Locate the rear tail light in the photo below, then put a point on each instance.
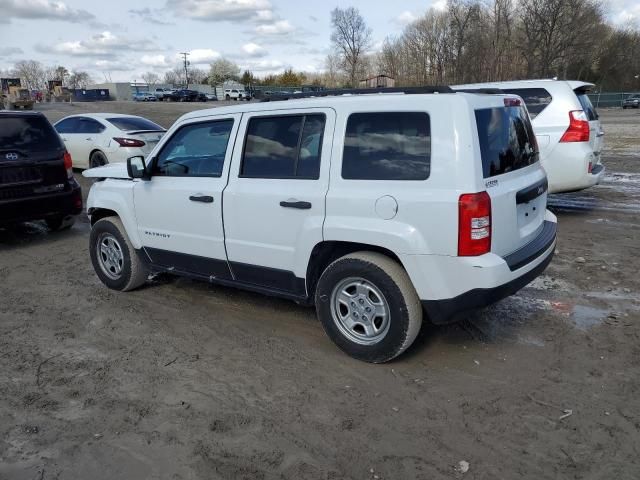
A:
(474, 224)
(129, 142)
(578, 130)
(68, 164)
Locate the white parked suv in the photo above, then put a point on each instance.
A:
(378, 209)
(567, 128)
(236, 94)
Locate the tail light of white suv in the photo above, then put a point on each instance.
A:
(474, 224)
(578, 130)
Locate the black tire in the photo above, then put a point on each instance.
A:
(133, 272)
(227, 98)
(390, 278)
(58, 223)
(98, 159)
(624, 107)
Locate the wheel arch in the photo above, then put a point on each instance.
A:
(94, 150)
(326, 252)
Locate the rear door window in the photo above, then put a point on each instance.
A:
(387, 146)
(30, 133)
(536, 99)
(587, 106)
(88, 125)
(288, 146)
(507, 141)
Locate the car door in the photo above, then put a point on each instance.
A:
(80, 138)
(179, 210)
(274, 204)
(68, 129)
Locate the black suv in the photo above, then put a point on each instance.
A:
(183, 96)
(36, 179)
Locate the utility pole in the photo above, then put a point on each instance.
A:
(186, 71)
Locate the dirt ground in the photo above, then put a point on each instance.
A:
(183, 380)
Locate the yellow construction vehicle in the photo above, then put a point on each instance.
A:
(14, 96)
(58, 93)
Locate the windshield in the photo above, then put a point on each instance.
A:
(28, 133)
(507, 141)
(134, 123)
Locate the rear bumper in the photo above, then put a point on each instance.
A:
(450, 287)
(66, 203)
(567, 167)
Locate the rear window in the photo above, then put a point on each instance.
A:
(387, 146)
(587, 106)
(507, 141)
(133, 123)
(536, 99)
(29, 133)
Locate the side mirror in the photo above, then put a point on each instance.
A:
(136, 167)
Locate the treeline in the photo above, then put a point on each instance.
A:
(475, 41)
(34, 75)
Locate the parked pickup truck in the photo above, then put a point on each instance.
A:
(379, 209)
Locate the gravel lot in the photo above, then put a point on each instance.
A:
(182, 380)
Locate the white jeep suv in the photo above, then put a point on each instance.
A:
(379, 209)
(567, 128)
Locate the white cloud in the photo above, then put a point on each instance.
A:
(279, 27)
(150, 16)
(440, 5)
(156, 61)
(264, 66)
(626, 12)
(254, 50)
(104, 44)
(201, 56)
(109, 66)
(220, 10)
(43, 9)
(406, 17)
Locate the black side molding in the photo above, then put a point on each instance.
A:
(534, 248)
(534, 191)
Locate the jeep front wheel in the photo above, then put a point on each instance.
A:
(368, 306)
(114, 259)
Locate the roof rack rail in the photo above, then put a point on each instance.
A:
(488, 91)
(275, 97)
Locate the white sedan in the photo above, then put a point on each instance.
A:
(100, 138)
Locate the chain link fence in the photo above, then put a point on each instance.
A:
(609, 99)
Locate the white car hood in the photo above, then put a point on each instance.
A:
(112, 170)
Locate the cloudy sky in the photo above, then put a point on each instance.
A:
(121, 39)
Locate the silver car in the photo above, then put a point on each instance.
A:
(631, 102)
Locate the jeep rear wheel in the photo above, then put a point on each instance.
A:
(368, 306)
(114, 259)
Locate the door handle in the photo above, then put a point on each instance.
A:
(201, 198)
(296, 204)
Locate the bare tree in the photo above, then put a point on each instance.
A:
(79, 79)
(351, 39)
(198, 76)
(174, 76)
(32, 74)
(151, 79)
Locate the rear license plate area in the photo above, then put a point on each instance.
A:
(19, 176)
